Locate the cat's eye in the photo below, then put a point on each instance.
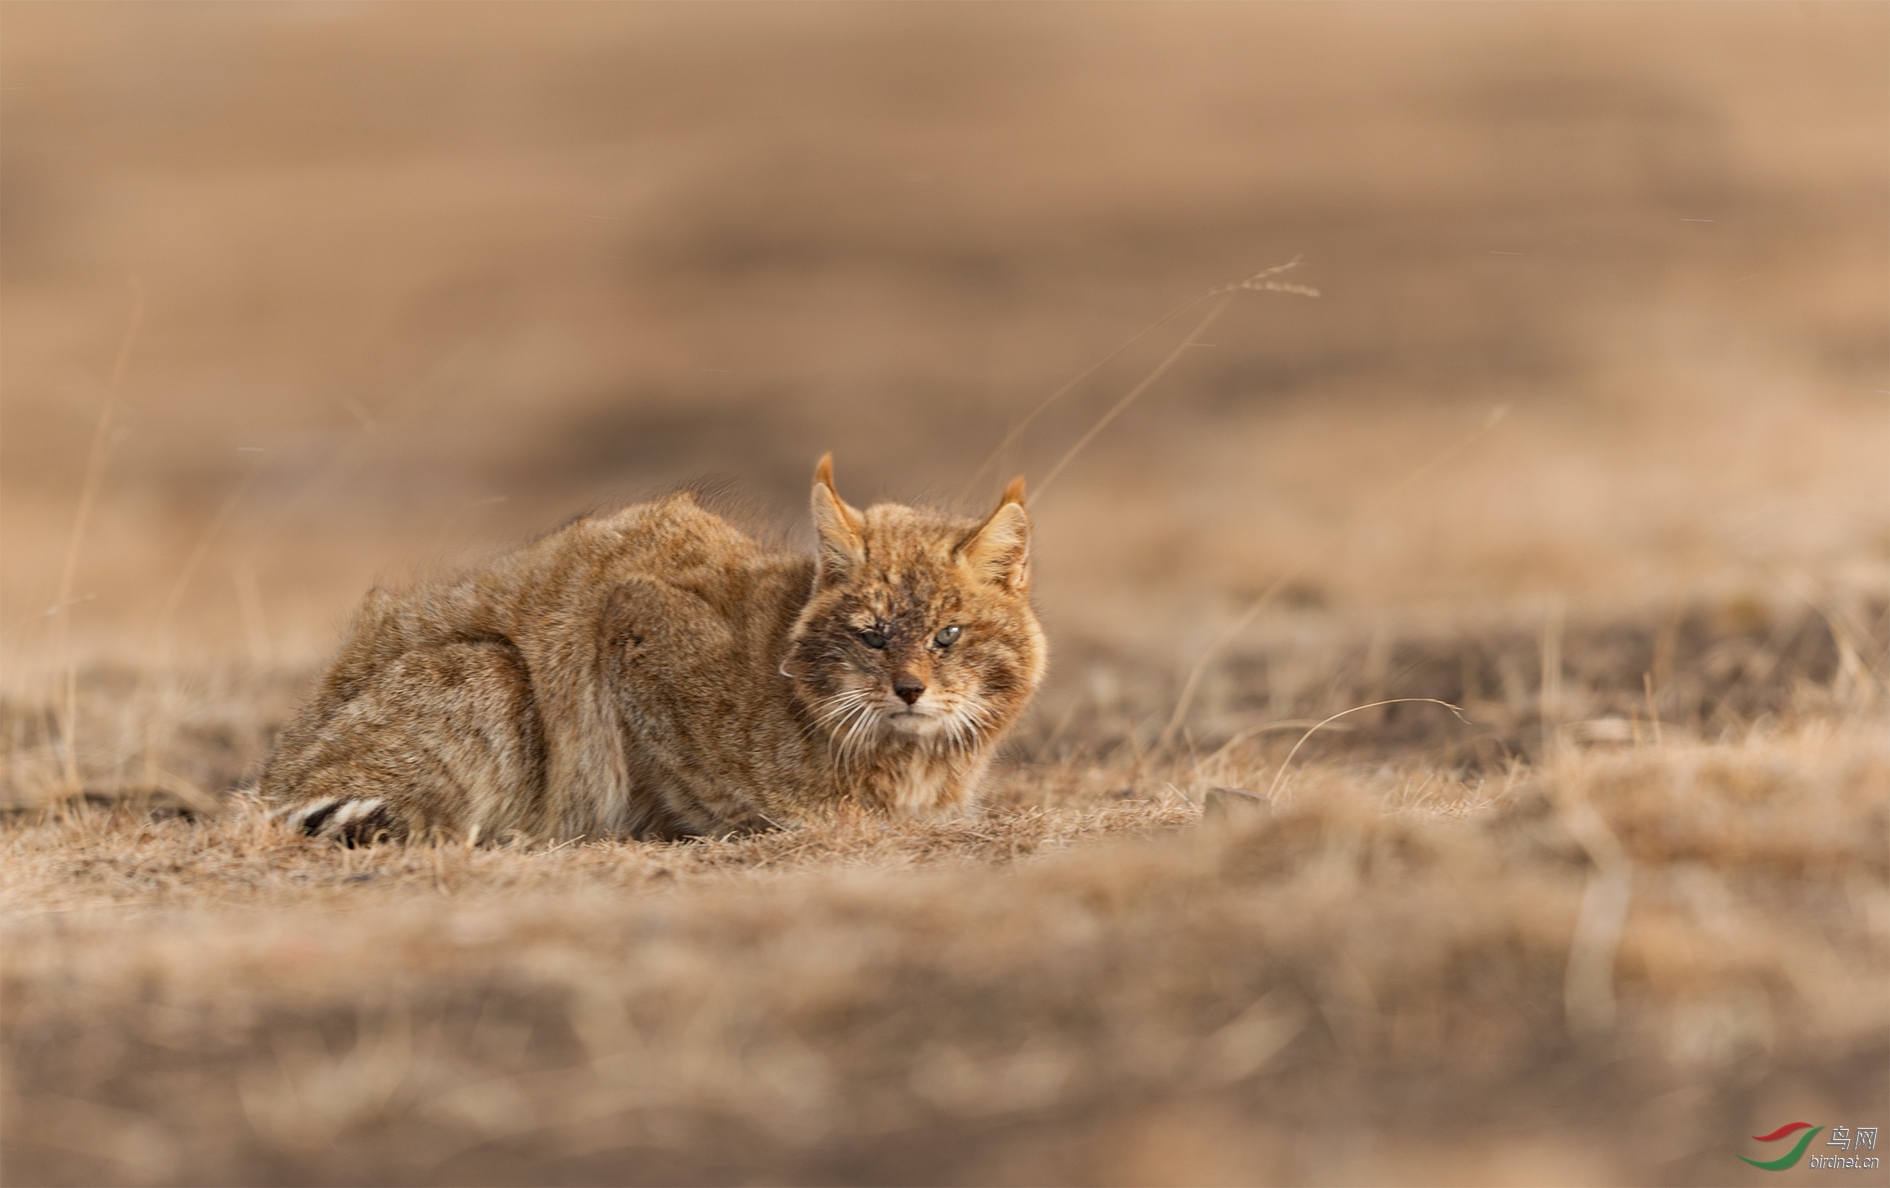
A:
(872, 639)
(947, 637)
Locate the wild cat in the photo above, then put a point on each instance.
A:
(657, 673)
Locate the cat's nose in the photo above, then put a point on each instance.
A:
(908, 687)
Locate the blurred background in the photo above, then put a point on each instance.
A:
(324, 294)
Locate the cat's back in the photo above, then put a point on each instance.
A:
(662, 537)
(556, 576)
(551, 592)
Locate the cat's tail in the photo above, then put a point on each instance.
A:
(350, 820)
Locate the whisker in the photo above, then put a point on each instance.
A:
(856, 734)
(849, 731)
(838, 706)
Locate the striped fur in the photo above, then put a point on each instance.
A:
(656, 673)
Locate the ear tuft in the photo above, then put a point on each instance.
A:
(999, 551)
(841, 528)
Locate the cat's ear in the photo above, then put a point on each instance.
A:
(999, 551)
(841, 528)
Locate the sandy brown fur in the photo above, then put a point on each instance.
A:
(655, 672)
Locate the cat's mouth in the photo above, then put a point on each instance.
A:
(913, 720)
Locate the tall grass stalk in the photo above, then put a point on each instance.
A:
(1260, 281)
(1280, 775)
(102, 441)
(1188, 688)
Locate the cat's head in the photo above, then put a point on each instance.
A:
(919, 630)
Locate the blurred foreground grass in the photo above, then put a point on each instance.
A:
(1607, 967)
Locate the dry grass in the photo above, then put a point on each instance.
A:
(413, 289)
(1371, 981)
(1533, 949)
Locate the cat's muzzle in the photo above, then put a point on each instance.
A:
(913, 719)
